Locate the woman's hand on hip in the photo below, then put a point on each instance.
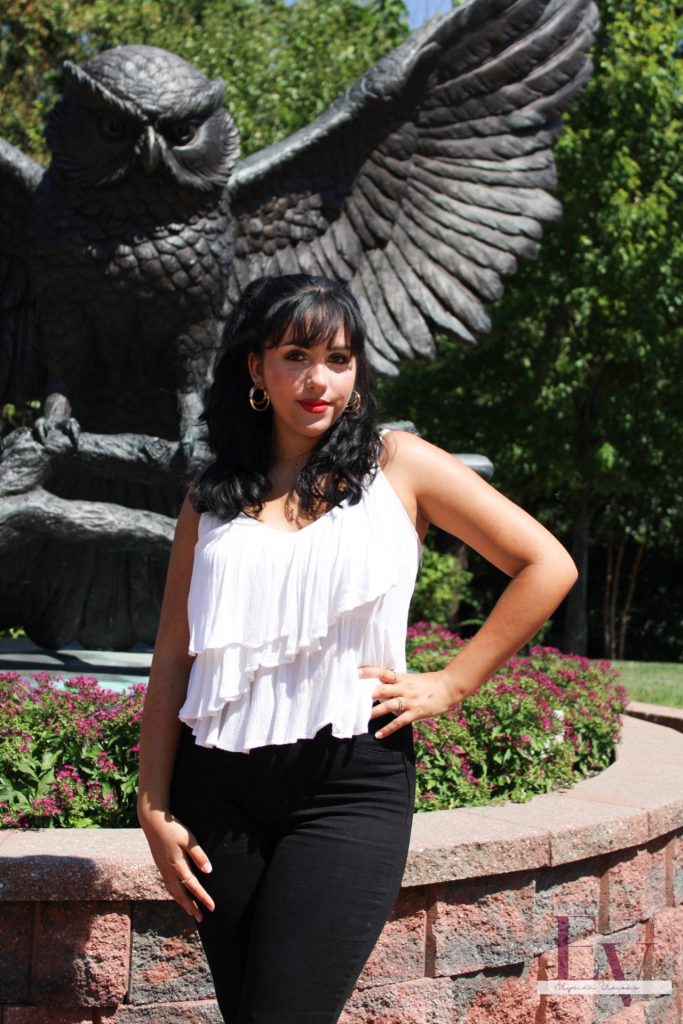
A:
(409, 696)
(174, 850)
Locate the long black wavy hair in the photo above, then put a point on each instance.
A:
(346, 456)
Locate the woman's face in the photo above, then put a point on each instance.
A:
(309, 388)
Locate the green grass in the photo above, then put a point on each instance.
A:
(653, 682)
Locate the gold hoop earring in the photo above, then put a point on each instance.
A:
(259, 404)
(354, 403)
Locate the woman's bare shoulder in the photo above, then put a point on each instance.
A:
(405, 452)
(399, 443)
(402, 453)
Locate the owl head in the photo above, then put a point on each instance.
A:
(139, 106)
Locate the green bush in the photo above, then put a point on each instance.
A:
(540, 722)
(68, 754)
(442, 583)
(68, 757)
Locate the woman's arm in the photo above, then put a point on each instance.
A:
(170, 842)
(437, 488)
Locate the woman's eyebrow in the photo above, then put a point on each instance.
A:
(311, 343)
(297, 343)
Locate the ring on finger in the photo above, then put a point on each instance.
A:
(401, 706)
(184, 881)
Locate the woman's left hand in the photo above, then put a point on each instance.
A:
(410, 696)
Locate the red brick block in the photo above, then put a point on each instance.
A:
(500, 997)
(635, 887)
(197, 1012)
(81, 954)
(16, 928)
(575, 961)
(663, 1010)
(567, 901)
(45, 1015)
(665, 962)
(634, 1014)
(400, 951)
(621, 955)
(588, 957)
(567, 1009)
(624, 954)
(487, 923)
(428, 1001)
(677, 881)
(167, 959)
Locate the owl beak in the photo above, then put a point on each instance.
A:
(150, 151)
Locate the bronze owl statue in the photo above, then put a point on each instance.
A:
(419, 188)
(127, 244)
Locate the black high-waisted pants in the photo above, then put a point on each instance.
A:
(308, 842)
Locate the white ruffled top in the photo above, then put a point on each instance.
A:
(281, 622)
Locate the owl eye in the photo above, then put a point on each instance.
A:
(112, 127)
(182, 132)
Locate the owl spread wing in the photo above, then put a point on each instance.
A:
(20, 369)
(426, 180)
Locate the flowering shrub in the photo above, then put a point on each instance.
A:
(442, 583)
(68, 757)
(540, 722)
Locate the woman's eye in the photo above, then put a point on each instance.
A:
(340, 359)
(295, 356)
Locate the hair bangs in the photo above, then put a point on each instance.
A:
(315, 318)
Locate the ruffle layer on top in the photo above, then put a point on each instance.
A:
(282, 705)
(262, 599)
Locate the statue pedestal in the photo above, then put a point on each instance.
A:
(113, 669)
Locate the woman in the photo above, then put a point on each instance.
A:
(276, 767)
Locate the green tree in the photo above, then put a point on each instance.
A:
(282, 63)
(576, 394)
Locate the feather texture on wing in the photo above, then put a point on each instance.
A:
(429, 178)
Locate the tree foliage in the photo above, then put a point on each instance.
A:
(282, 63)
(576, 394)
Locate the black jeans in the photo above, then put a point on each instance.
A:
(308, 842)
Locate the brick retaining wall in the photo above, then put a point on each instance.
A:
(88, 936)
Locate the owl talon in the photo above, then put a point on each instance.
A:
(182, 457)
(72, 429)
(40, 429)
(46, 425)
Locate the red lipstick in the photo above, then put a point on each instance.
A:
(314, 405)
